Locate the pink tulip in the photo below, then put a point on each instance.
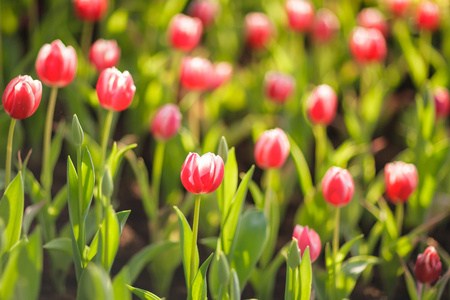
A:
(196, 73)
(257, 30)
(428, 16)
(205, 10)
(373, 18)
(322, 105)
(368, 45)
(428, 266)
(271, 149)
(104, 54)
(167, 122)
(326, 26)
(307, 237)
(278, 87)
(185, 32)
(202, 174)
(300, 14)
(90, 10)
(115, 90)
(337, 186)
(221, 73)
(442, 103)
(22, 96)
(400, 180)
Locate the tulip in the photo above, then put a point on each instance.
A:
(257, 30)
(442, 103)
(22, 96)
(321, 105)
(307, 237)
(428, 266)
(115, 90)
(400, 180)
(428, 16)
(196, 73)
(326, 25)
(104, 54)
(398, 7)
(278, 86)
(221, 73)
(337, 186)
(271, 149)
(300, 14)
(90, 10)
(205, 10)
(56, 64)
(202, 174)
(167, 122)
(184, 32)
(367, 45)
(372, 18)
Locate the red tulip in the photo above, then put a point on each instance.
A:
(322, 105)
(278, 86)
(90, 10)
(115, 90)
(300, 14)
(56, 64)
(428, 16)
(221, 73)
(167, 122)
(398, 7)
(184, 32)
(202, 174)
(368, 45)
(271, 149)
(373, 18)
(22, 96)
(338, 186)
(442, 103)
(205, 10)
(428, 266)
(307, 237)
(196, 73)
(104, 54)
(326, 25)
(400, 180)
(257, 30)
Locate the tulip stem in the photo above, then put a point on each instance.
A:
(86, 37)
(320, 134)
(81, 234)
(8, 152)
(194, 239)
(105, 136)
(399, 213)
(336, 233)
(157, 169)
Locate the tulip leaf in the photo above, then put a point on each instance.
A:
(227, 189)
(109, 237)
(143, 294)
(345, 249)
(30, 214)
(351, 270)
(55, 151)
(60, 244)
(95, 284)
(87, 182)
(410, 283)
(116, 157)
(305, 276)
(301, 164)
(235, 290)
(120, 285)
(122, 217)
(198, 290)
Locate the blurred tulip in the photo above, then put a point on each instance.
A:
(115, 90)
(400, 180)
(56, 64)
(104, 54)
(22, 96)
(300, 14)
(257, 30)
(442, 103)
(278, 87)
(205, 10)
(428, 266)
(221, 73)
(90, 10)
(308, 237)
(367, 45)
(398, 7)
(338, 186)
(167, 122)
(196, 73)
(428, 16)
(202, 174)
(185, 32)
(373, 18)
(326, 25)
(271, 149)
(322, 105)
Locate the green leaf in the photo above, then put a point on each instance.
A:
(352, 269)
(371, 105)
(95, 284)
(170, 8)
(305, 276)
(88, 182)
(109, 236)
(257, 195)
(304, 174)
(30, 214)
(116, 156)
(345, 249)
(120, 286)
(198, 290)
(60, 244)
(235, 290)
(143, 294)
(228, 187)
(55, 151)
(122, 217)
(410, 283)
(11, 211)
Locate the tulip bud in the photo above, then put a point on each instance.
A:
(367, 45)
(184, 32)
(278, 87)
(337, 186)
(107, 183)
(77, 132)
(428, 16)
(104, 54)
(321, 105)
(398, 7)
(115, 90)
(202, 174)
(293, 254)
(400, 180)
(167, 122)
(195, 73)
(428, 266)
(56, 64)
(21, 97)
(221, 73)
(442, 103)
(300, 14)
(372, 18)
(90, 10)
(257, 30)
(326, 25)
(205, 10)
(307, 237)
(271, 149)
(223, 149)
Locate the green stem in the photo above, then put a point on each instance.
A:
(86, 37)
(425, 39)
(194, 238)
(105, 262)
(321, 150)
(287, 289)
(399, 214)
(105, 137)
(336, 232)
(8, 152)
(81, 233)
(157, 169)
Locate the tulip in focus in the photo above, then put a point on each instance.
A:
(400, 180)
(167, 122)
(442, 103)
(202, 174)
(321, 105)
(373, 18)
(22, 96)
(257, 30)
(196, 73)
(338, 186)
(56, 64)
(184, 32)
(398, 7)
(104, 54)
(368, 45)
(428, 16)
(428, 266)
(271, 149)
(115, 90)
(90, 10)
(300, 14)
(308, 237)
(221, 73)
(205, 10)
(326, 25)
(278, 87)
